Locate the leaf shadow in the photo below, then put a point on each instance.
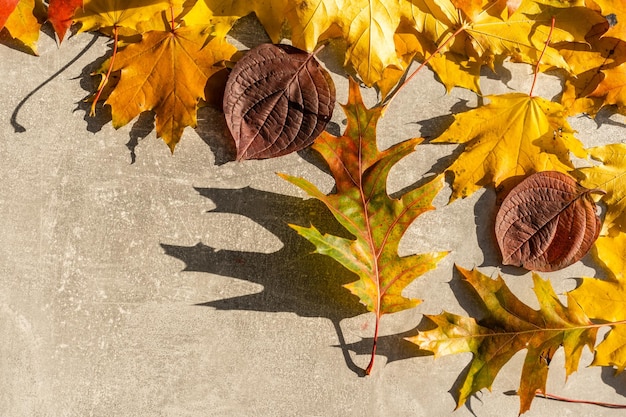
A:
(485, 211)
(466, 296)
(89, 83)
(293, 278)
(7, 40)
(432, 128)
(212, 129)
(473, 305)
(499, 73)
(615, 380)
(603, 117)
(17, 127)
(249, 31)
(394, 347)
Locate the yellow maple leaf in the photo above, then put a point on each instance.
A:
(455, 70)
(588, 61)
(617, 9)
(124, 14)
(485, 31)
(612, 88)
(514, 134)
(611, 252)
(408, 47)
(368, 27)
(222, 14)
(610, 177)
(606, 300)
(166, 72)
(22, 24)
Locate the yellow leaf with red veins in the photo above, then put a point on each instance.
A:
(166, 72)
(489, 33)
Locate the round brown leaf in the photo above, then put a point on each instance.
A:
(547, 222)
(278, 99)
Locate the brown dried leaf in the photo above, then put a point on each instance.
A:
(278, 99)
(547, 222)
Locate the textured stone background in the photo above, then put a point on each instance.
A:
(99, 317)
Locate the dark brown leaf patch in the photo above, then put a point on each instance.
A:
(278, 99)
(547, 222)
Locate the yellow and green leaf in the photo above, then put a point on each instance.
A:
(509, 327)
(376, 220)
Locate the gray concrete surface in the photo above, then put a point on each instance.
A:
(172, 286)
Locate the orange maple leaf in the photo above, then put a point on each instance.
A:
(60, 15)
(6, 8)
(166, 72)
(20, 20)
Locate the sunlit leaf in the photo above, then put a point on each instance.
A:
(606, 300)
(278, 99)
(509, 327)
(513, 135)
(547, 222)
(376, 220)
(166, 72)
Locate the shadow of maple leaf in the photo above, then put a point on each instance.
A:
(293, 278)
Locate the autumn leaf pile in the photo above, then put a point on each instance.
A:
(163, 54)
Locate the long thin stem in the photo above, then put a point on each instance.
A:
(368, 370)
(365, 203)
(570, 400)
(422, 65)
(532, 87)
(105, 80)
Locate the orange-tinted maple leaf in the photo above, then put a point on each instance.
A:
(166, 72)
(61, 14)
(21, 21)
(509, 327)
(376, 220)
(618, 10)
(588, 62)
(124, 14)
(612, 89)
(6, 8)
